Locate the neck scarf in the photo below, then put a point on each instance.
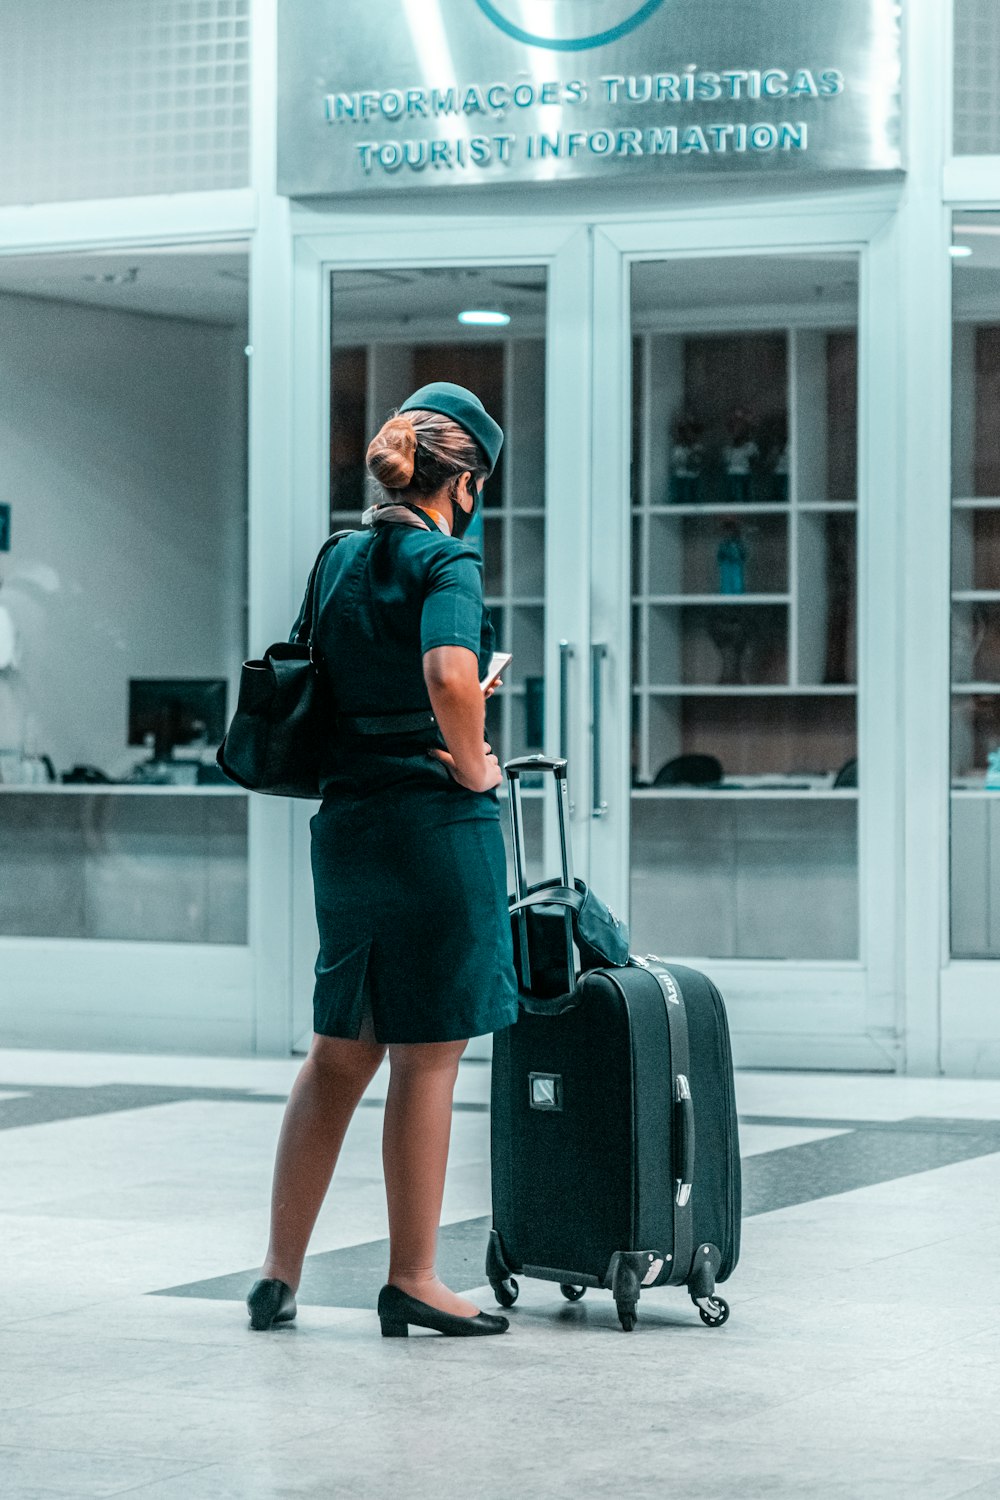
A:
(403, 514)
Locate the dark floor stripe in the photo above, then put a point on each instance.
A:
(792, 1175)
(935, 1124)
(856, 1159)
(42, 1104)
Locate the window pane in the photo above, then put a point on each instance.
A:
(975, 585)
(123, 401)
(395, 329)
(744, 803)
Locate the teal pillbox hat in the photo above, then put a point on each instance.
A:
(466, 409)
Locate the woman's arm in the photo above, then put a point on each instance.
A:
(452, 677)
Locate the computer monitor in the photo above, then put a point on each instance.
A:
(176, 711)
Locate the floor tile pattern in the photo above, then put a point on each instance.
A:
(861, 1362)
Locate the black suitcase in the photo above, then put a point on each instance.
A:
(614, 1143)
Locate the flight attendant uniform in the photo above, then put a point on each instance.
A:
(408, 866)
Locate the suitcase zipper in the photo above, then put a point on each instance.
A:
(727, 1264)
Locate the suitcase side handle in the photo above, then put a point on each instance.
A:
(684, 1139)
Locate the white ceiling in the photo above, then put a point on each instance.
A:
(207, 284)
(393, 300)
(426, 301)
(735, 282)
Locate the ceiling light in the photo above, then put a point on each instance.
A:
(959, 251)
(484, 317)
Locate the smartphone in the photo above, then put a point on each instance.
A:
(499, 662)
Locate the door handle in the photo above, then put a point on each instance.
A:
(565, 657)
(566, 654)
(598, 653)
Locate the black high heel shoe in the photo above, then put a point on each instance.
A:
(397, 1309)
(270, 1301)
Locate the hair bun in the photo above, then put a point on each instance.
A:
(392, 453)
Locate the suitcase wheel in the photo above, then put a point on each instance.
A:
(571, 1293)
(626, 1315)
(713, 1310)
(506, 1291)
(625, 1285)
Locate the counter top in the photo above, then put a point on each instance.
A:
(122, 788)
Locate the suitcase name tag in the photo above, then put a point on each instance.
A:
(545, 1090)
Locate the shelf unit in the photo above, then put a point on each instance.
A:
(783, 634)
(368, 381)
(975, 639)
(766, 865)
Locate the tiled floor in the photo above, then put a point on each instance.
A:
(861, 1361)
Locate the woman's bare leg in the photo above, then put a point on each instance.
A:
(415, 1139)
(320, 1106)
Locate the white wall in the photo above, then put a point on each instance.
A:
(123, 457)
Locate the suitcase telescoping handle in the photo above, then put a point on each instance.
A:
(514, 770)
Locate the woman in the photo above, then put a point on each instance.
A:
(407, 857)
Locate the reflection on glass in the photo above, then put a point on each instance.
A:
(975, 588)
(744, 495)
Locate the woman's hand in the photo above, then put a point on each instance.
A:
(457, 701)
(491, 777)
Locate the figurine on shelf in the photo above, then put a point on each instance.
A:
(686, 459)
(729, 634)
(739, 454)
(993, 770)
(731, 557)
(968, 632)
(779, 463)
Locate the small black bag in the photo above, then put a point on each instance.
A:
(555, 917)
(284, 713)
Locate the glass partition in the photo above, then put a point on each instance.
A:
(123, 593)
(975, 584)
(744, 518)
(117, 98)
(483, 327)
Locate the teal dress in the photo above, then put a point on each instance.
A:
(408, 867)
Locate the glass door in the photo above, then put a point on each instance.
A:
(507, 320)
(743, 797)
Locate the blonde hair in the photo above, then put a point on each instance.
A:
(415, 452)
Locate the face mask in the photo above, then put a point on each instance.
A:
(462, 518)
